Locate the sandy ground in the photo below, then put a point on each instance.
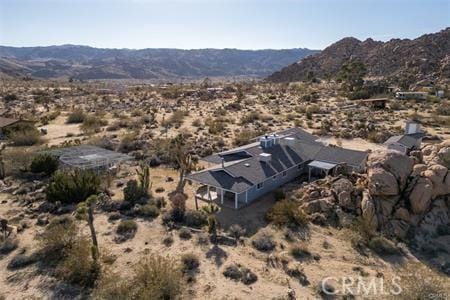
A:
(338, 258)
(58, 130)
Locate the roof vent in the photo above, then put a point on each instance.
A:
(247, 165)
(266, 157)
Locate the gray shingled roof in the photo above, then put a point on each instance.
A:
(247, 172)
(408, 141)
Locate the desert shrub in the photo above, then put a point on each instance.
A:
(359, 94)
(92, 124)
(155, 277)
(59, 235)
(73, 186)
(383, 246)
(300, 251)
(78, 266)
(26, 138)
(184, 233)
(250, 117)
(189, 262)
(202, 238)
(420, 282)
(126, 227)
(195, 218)
(240, 273)
(168, 240)
(364, 230)
(279, 195)
(287, 213)
(132, 192)
(8, 245)
(176, 119)
(264, 242)
(236, 231)
(244, 136)
(149, 210)
(44, 163)
(77, 116)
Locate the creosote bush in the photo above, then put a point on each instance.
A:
(44, 163)
(287, 213)
(73, 186)
(238, 272)
(155, 277)
(190, 262)
(264, 242)
(77, 116)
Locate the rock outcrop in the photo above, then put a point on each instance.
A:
(399, 194)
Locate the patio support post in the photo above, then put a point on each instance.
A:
(221, 196)
(246, 196)
(309, 173)
(236, 200)
(207, 192)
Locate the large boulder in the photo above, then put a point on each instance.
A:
(399, 165)
(368, 209)
(444, 156)
(319, 205)
(420, 196)
(437, 175)
(382, 182)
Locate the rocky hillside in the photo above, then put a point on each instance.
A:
(405, 197)
(81, 62)
(427, 57)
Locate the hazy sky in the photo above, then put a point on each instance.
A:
(247, 24)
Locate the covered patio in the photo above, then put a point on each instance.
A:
(220, 196)
(319, 169)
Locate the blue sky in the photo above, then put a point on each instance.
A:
(245, 24)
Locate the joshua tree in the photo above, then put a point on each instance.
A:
(86, 210)
(184, 158)
(211, 210)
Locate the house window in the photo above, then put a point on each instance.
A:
(274, 177)
(284, 174)
(259, 186)
(299, 166)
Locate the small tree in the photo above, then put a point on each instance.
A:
(85, 210)
(211, 210)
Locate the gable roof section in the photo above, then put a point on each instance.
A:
(408, 141)
(7, 121)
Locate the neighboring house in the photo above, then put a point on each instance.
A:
(411, 95)
(9, 123)
(241, 175)
(407, 142)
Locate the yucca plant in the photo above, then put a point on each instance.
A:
(211, 210)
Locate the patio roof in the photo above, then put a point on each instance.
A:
(321, 165)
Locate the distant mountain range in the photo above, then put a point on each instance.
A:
(423, 58)
(82, 62)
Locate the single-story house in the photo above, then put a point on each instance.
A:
(411, 140)
(9, 123)
(240, 175)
